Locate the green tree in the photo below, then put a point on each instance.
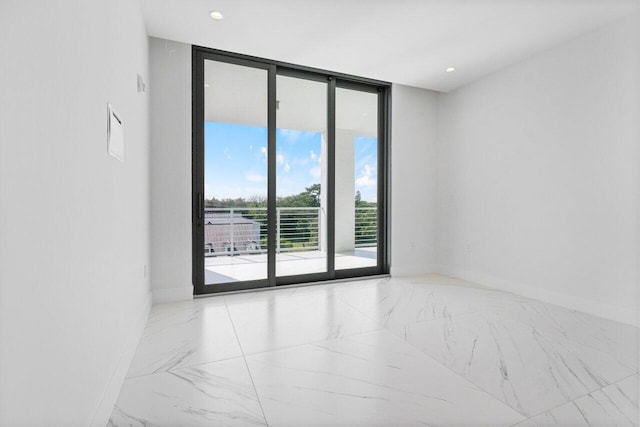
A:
(309, 198)
(366, 228)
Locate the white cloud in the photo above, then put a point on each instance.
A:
(253, 177)
(263, 150)
(365, 181)
(315, 172)
(287, 167)
(368, 177)
(368, 170)
(370, 159)
(280, 159)
(313, 155)
(299, 161)
(224, 191)
(288, 185)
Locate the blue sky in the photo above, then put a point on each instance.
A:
(236, 161)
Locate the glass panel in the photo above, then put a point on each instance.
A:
(356, 179)
(301, 176)
(235, 173)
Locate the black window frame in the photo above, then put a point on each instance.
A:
(335, 80)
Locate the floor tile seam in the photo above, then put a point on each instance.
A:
(311, 303)
(355, 308)
(297, 258)
(478, 387)
(240, 258)
(576, 341)
(466, 313)
(465, 380)
(188, 366)
(527, 417)
(579, 397)
(253, 384)
(421, 321)
(292, 295)
(289, 347)
(378, 322)
(249, 301)
(546, 331)
(197, 365)
(562, 307)
(495, 397)
(197, 307)
(368, 316)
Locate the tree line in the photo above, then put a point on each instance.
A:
(306, 234)
(309, 198)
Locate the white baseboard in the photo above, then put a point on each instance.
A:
(183, 293)
(127, 351)
(412, 270)
(596, 308)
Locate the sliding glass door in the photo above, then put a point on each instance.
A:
(301, 185)
(289, 174)
(235, 173)
(356, 171)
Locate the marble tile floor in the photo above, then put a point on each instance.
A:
(428, 350)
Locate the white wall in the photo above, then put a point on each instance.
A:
(170, 127)
(538, 175)
(413, 180)
(74, 228)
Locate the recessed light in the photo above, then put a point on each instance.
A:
(216, 15)
(450, 69)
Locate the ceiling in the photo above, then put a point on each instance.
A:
(409, 42)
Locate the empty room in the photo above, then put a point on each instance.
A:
(319, 213)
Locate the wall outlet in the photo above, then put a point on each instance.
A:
(467, 249)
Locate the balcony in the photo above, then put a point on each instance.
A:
(236, 242)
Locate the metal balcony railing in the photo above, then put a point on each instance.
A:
(366, 228)
(231, 231)
(297, 229)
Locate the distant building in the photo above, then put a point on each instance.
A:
(224, 233)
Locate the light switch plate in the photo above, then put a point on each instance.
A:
(115, 134)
